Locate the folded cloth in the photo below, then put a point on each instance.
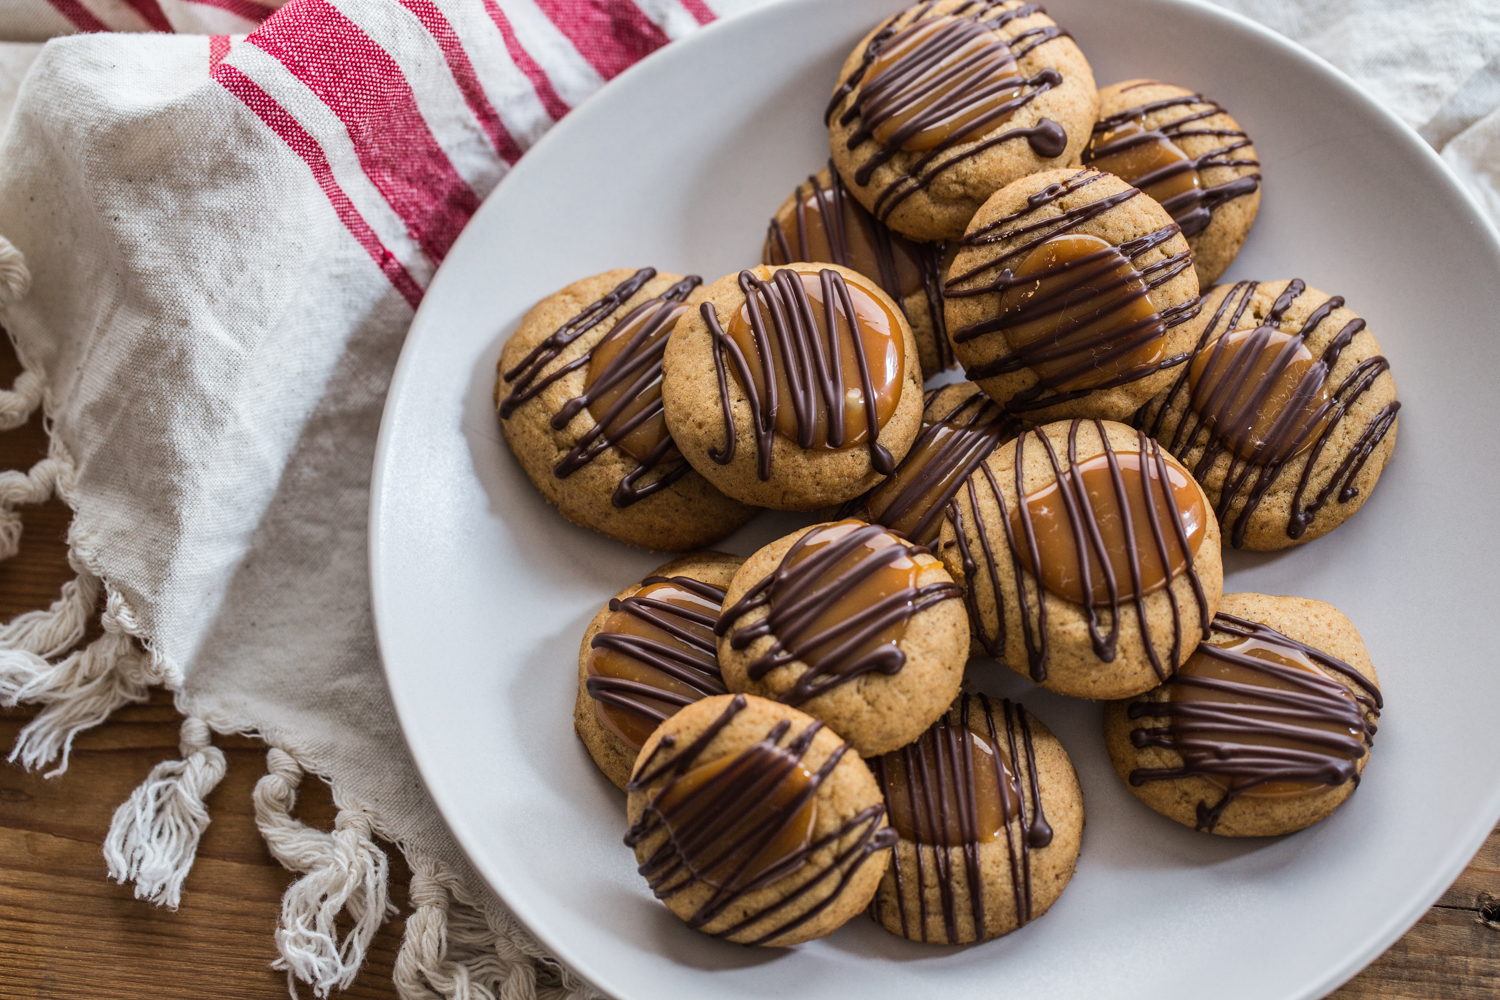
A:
(225, 238)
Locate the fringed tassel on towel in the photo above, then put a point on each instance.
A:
(153, 837)
(15, 279)
(455, 950)
(345, 871)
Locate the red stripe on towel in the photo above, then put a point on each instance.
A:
(612, 35)
(245, 9)
(78, 15)
(363, 86)
(304, 145)
(554, 105)
(463, 74)
(218, 48)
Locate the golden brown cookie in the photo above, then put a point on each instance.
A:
(852, 624)
(1187, 153)
(772, 406)
(961, 426)
(1116, 620)
(755, 823)
(579, 395)
(946, 102)
(647, 653)
(1286, 414)
(1070, 297)
(821, 222)
(1264, 730)
(990, 817)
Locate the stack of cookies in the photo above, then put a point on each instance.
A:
(792, 730)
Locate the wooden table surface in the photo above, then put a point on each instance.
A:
(66, 931)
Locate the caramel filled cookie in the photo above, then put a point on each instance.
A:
(961, 427)
(1088, 556)
(948, 101)
(1264, 730)
(1070, 297)
(852, 624)
(793, 387)
(1187, 153)
(579, 395)
(820, 222)
(755, 823)
(1286, 414)
(647, 653)
(990, 816)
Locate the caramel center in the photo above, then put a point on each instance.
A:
(826, 225)
(741, 818)
(951, 787)
(629, 360)
(653, 655)
(943, 78)
(799, 341)
(1079, 314)
(1065, 519)
(1261, 392)
(1146, 159)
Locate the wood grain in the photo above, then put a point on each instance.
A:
(68, 933)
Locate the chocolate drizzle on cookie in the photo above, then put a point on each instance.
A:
(1074, 309)
(742, 824)
(947, 451)
(1121, 510)
(839, 603)
(655, 654)
(952, 791)
(929, 81)
(1262, 715)
(789, 347)
(629, 383)
(1152, 160)
(828, 226)
(1256, 393)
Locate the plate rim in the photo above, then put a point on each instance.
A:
(1462, 846)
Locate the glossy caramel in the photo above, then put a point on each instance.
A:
(942, 78)
(686, 642)
(1261, 392)
(1144, 159)
(739, 817)
(639, 334)
(867, 590)
(1057, 536)
(1206, 666)
(879, 331)
(810, 228)
(1075, 309)
(965, 792)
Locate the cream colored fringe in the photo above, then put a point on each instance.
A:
(452, 947)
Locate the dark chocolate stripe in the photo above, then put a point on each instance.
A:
(638, 364)
(934, 800)
(1193, 210)
(1244, 478)
(1341, 696)
(752, 779)
(798, 591)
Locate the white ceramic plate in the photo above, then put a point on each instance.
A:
(482, 591)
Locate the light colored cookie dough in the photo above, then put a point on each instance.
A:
(792, 630)
(964, 801)
(1215, 765)
(652, 499)
(664, 639)
(1071, 297)
(926, 180)
(758, 455)
(734, 789)
(1029, 610)
(1279, 472)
